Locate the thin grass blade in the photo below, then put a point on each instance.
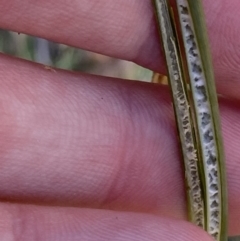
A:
(204, 96)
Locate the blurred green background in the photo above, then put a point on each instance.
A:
(65, 57)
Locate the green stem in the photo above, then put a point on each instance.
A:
(206, 183)
(182, 112)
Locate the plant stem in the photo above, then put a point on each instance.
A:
(182, 113)
(199, 126)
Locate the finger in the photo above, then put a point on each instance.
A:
(79, 140)
(21, 222)
(126, 30)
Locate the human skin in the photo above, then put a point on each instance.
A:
(92, 158)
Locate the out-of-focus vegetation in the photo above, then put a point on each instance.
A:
(65, 57)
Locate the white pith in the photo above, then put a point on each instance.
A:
(204, 119)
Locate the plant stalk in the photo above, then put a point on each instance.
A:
(199, 125)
